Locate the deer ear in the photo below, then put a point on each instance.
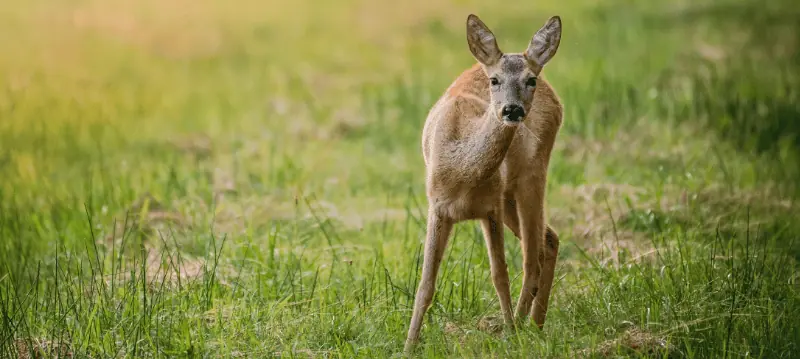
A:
(544, 43)
(482, 42)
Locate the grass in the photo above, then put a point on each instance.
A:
(188, 179)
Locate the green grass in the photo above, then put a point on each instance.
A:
(205, 179)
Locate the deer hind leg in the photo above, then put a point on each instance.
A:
(549, 257)
(435, 242)
(493, 234)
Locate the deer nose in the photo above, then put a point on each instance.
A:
(513, 113)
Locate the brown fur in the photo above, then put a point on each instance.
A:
(495, 171)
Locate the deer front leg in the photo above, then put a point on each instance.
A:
(531, 218)
(546, 278)
(493, 234)
(435, 242)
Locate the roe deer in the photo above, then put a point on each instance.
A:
(486, 145)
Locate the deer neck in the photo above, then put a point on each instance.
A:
(495, 134)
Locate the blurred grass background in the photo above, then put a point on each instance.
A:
(244, 179)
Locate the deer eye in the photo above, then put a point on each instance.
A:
(494, 81)
(531, 82)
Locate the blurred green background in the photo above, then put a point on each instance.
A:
(244, 179)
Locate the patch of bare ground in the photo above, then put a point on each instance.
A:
(593, 212)
(146, 216)
(162, 267)
(340, 125)
(158, 256)
(492, 324)
(197, 145)
(633, 341)
(174, 267)
(36, 348)
(303, 353)
(457, 332)
(343, 122)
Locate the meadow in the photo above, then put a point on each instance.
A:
(244, 179)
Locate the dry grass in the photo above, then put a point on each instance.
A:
(38, 348)
(632, 341)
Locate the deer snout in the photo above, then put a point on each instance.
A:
(513, 113)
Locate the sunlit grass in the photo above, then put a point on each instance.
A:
(245, 180)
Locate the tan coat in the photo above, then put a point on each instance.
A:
(486, 144)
